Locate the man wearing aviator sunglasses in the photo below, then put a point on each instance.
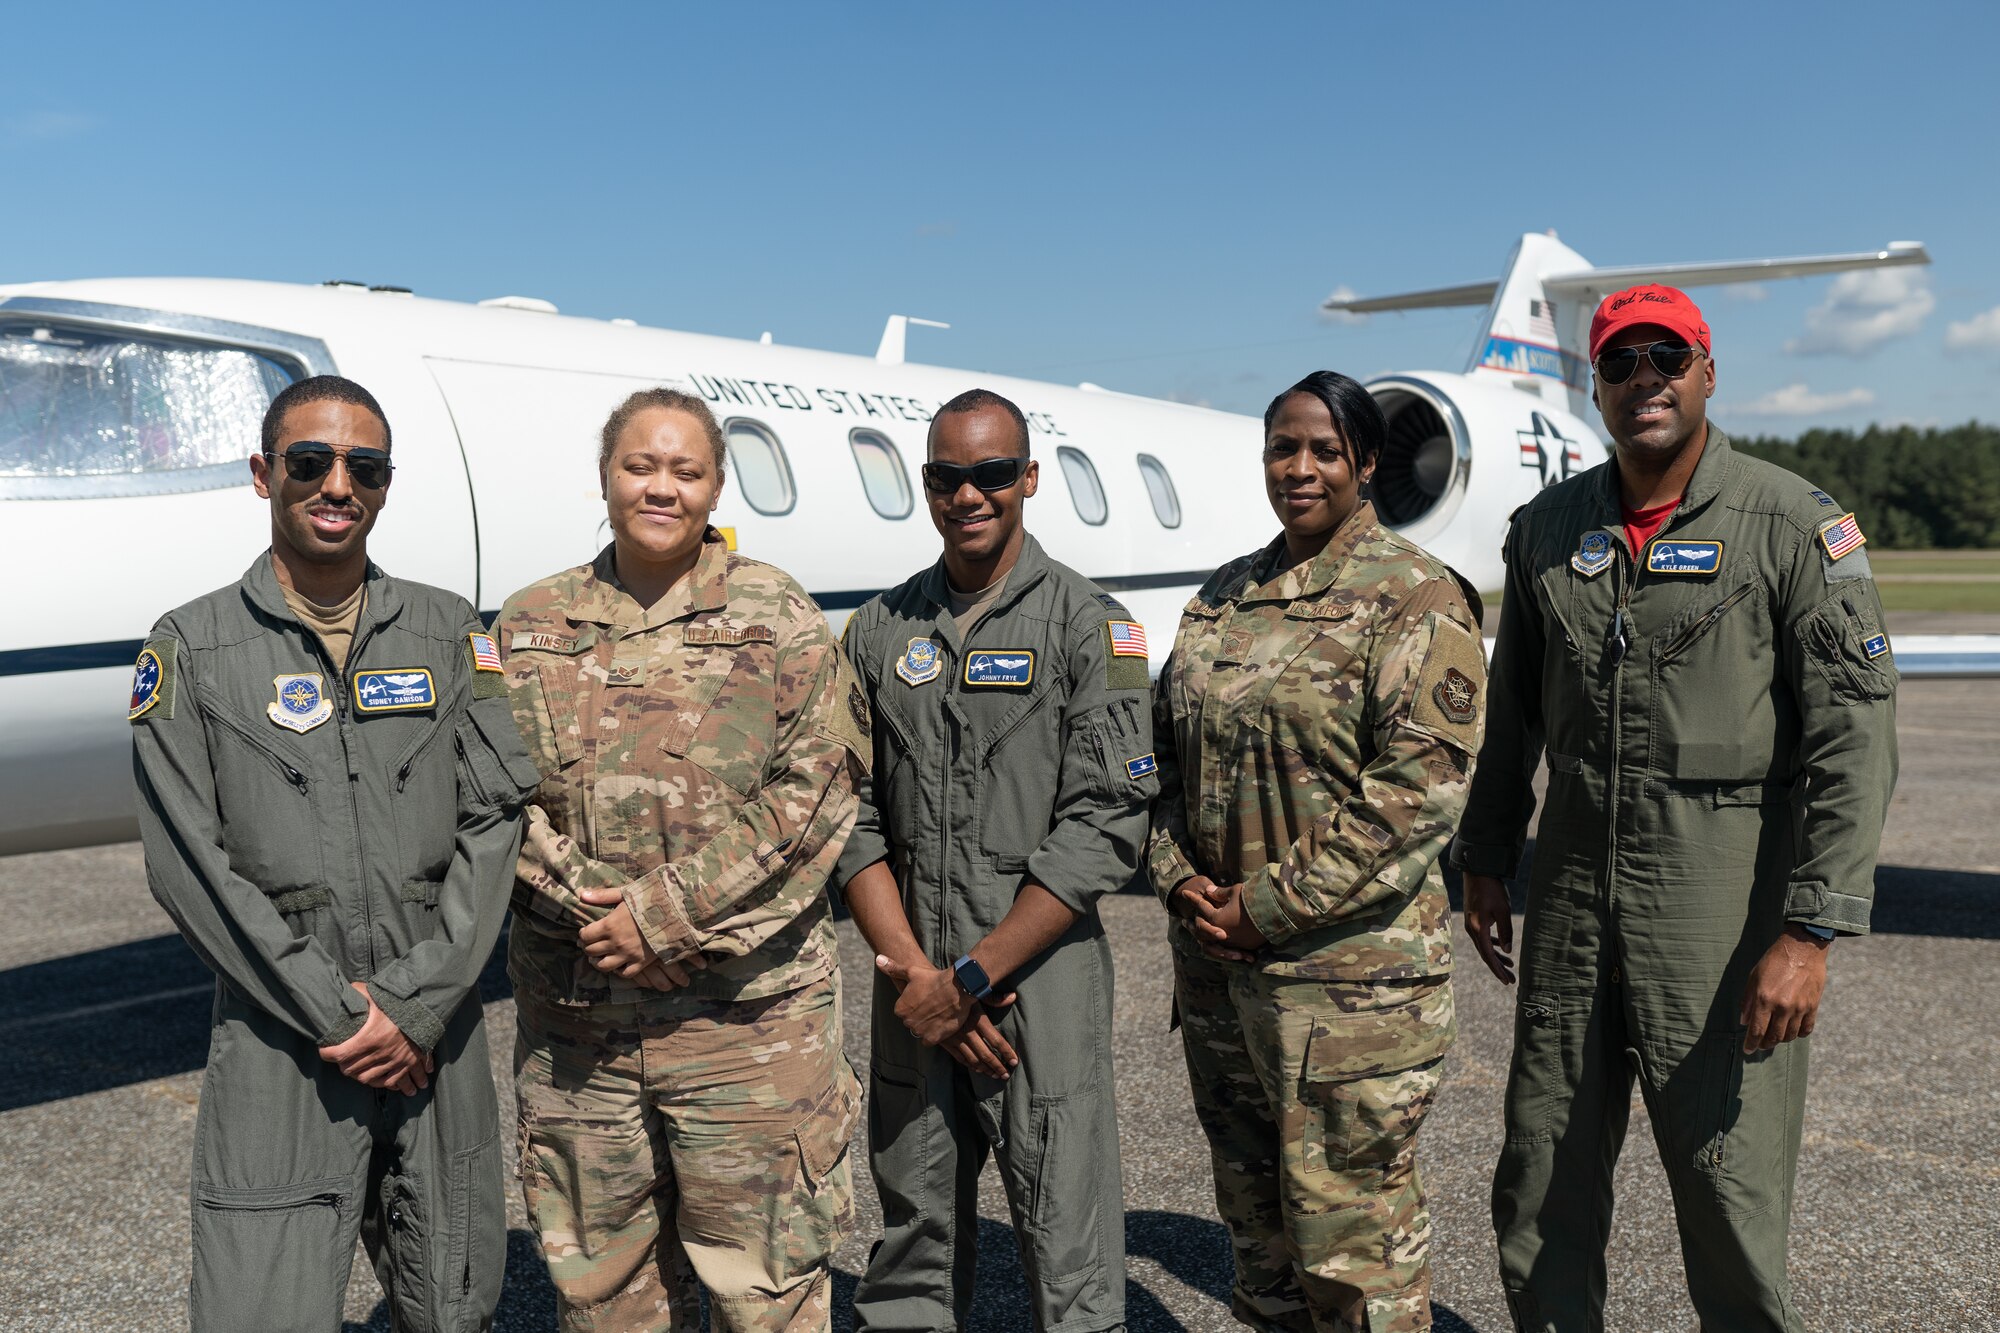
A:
(1693, 639)
(330, 789)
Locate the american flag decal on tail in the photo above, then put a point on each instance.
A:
(1128, 638)
(1841, 536)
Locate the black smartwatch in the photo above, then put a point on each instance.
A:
(971, 978)
(1821, 933)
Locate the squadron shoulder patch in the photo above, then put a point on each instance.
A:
(153, 680)
(1456, 696)
(920, 662)
(395, 690)
(1593, 554)
(1446, 700)
(301, 704)
(1008, 668)
(1683, 558)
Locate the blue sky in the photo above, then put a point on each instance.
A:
(1154, 198)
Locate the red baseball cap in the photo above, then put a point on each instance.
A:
(1667, 307)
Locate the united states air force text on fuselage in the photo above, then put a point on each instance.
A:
(839, 402)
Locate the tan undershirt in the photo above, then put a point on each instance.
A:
(968, 607)
(334, 624)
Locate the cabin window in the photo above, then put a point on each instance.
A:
(882, 473)
(86, 411)
(1086, 492)
(758, 466)
(1160, 489)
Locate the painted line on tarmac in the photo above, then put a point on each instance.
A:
(88, 1010)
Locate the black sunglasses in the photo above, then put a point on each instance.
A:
(309, 460)
(995, 474)
(1670, 356)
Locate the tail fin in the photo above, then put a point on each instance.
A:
(1538, 316)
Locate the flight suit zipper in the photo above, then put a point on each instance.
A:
(1626, 569)
(1702, 626)
(285, 769)
(362, 633)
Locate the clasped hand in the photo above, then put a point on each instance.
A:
(1216, 914)
(938, 1013)
(380, 1056)
(614, 946)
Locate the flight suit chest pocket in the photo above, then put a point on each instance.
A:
(718, 703)
(1020, 754)
(1712, 674)
(264, 788)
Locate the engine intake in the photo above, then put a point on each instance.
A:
(1426, 456)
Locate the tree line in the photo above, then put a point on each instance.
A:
(1909, 488)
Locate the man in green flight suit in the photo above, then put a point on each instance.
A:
(1013, 770)
(1694, 640)
(330, 787)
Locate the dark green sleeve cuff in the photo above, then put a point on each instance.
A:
(1817, 905)
(342, 1030)
(414, 1017)
(1477, 859)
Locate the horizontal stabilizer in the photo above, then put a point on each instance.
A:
(1746, 270)
(1472, 293)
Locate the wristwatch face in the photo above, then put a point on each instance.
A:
(971, 977)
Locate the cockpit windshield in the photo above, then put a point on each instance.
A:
(89, 411)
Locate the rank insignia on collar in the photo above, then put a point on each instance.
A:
(920, 662)
(1682, 558)
(1593, 554)
(1013, 668)
(301, 704)
(397, 690)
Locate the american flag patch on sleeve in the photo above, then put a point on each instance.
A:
(1841, 536)
(1128, 638)
(485, 656)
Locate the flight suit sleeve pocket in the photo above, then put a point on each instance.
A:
(1848, 651)
(496, 765)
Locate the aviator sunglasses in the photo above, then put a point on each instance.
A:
(994, 474)
(309, 460)
(1670, 356)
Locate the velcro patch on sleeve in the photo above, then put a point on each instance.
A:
(1450, 688)
(1125, 656)
(847, 717)
(154, 679)
(482, 655)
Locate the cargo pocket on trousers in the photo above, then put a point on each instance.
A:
(1738, 1133)
(1065, 1228)
(900, 1123)
(824, 1134)
(475, 1253)
(1538, 1072)
(286, 1243)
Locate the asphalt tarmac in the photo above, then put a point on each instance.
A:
(103, 1022)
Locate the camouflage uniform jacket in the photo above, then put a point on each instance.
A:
(701, 755)
(1316, 729)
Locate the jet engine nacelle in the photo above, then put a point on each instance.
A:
(1462, 454)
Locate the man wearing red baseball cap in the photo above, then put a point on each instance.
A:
(1693, 640)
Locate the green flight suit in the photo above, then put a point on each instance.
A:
(306, 828)
(1023, 754)
(1718, 716)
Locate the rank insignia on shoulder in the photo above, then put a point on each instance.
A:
(1140, 767)
(152, 680)
(1822, 497)
(397, 690)
(1593, 554)
(1682, 558)
(485, 654)
(919, 663)
(1013, 668)
(1841, 536)
(1128, 638)
(1113, 605)
(1875, 645)
(301, 704)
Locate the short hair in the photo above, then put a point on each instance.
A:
(673, 400)
(973, 400)
(1356, 414)
(318, 389)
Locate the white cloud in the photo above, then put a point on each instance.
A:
(1746, 291)
(1796, 400)
(1864, 310)
(44, 126)
(1342, 293)
(1981, 333)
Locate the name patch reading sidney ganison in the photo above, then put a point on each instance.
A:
(396, 690)
(1676, 555)
(1013, 667)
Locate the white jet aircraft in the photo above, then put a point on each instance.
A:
(128, 408)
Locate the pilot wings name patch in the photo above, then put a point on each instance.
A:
(1682, 558)
(395, 690)
(1013, 668)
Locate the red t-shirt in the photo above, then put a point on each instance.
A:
(1642, 525)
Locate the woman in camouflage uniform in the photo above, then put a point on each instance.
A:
(685, 1103)
(1316, 725)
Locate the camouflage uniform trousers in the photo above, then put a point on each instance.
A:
(683, 1139)
(1311, 1093)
